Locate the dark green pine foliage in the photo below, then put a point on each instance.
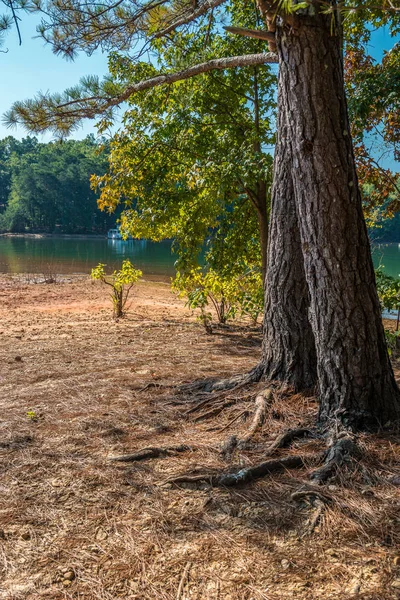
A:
(46, 187)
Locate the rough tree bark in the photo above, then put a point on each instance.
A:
(263, 222)
(288, 341)
(314, 157)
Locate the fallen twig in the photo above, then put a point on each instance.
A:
(242, 412)
(213, 412)
(183, 580)
(153, 384)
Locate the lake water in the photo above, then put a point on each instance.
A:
(388, 256)
(64, 255)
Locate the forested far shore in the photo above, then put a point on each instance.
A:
(45, 187)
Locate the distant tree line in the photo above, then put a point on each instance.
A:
(45, 187)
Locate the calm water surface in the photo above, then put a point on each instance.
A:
(387, 256)
(80, 255)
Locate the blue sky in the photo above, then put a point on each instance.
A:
(32, 67)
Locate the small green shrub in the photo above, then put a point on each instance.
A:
(388, 288)
(121, 283)
(32, 415)
(229, 295)
(392, 338)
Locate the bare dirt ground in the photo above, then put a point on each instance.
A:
(74, 524)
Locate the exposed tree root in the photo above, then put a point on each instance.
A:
(241, 414)
(213, 412)
(286, 438)
(216, 385)
(315, 518)
(261, 403)
(318, 501)
(339, 453)
(151, 452)
(243, 475)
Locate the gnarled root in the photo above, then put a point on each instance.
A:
(261, 403)
(243, 475)
(285, 439)
(217, 385)
(339, 453)
(317, 500)
(151, 452)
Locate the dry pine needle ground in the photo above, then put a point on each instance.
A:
(74, 525)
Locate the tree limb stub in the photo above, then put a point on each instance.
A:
(151, 452)
(252, 33)
(311, 494)
(244, 475)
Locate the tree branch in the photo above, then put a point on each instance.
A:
(64, 114)
(189, 17)
(253, 33)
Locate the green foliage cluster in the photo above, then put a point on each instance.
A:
(192, 162)
(388, 288)
(392, 341)
(385, 230)
(121, 283)
(229, 294)
(188, 156)
(46, 187)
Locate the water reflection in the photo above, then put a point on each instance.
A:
(80, 255)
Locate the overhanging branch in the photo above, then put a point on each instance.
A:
(63, 114)
(211, 65)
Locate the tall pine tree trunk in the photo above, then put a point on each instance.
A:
(288, 346)
(315, 160)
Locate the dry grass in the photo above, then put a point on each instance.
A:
(121, 533)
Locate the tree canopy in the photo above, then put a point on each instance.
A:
(194, 158)
(135, 28)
